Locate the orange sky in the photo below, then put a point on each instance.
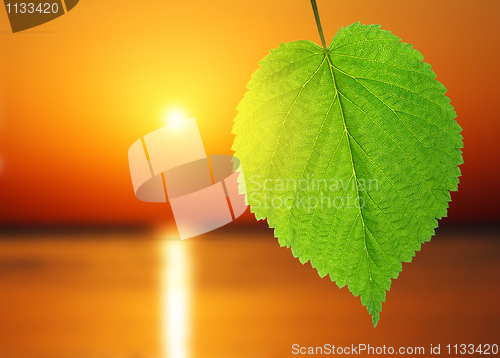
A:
(76, 92)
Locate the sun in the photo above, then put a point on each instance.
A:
(173, 116)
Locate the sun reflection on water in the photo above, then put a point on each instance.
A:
(176, 299)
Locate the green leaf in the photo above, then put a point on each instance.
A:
(350, 154)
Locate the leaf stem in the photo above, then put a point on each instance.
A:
(318, 23)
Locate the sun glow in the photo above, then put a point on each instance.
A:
(175, 299)
(173, 116)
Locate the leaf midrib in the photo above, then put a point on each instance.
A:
(327, 56)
